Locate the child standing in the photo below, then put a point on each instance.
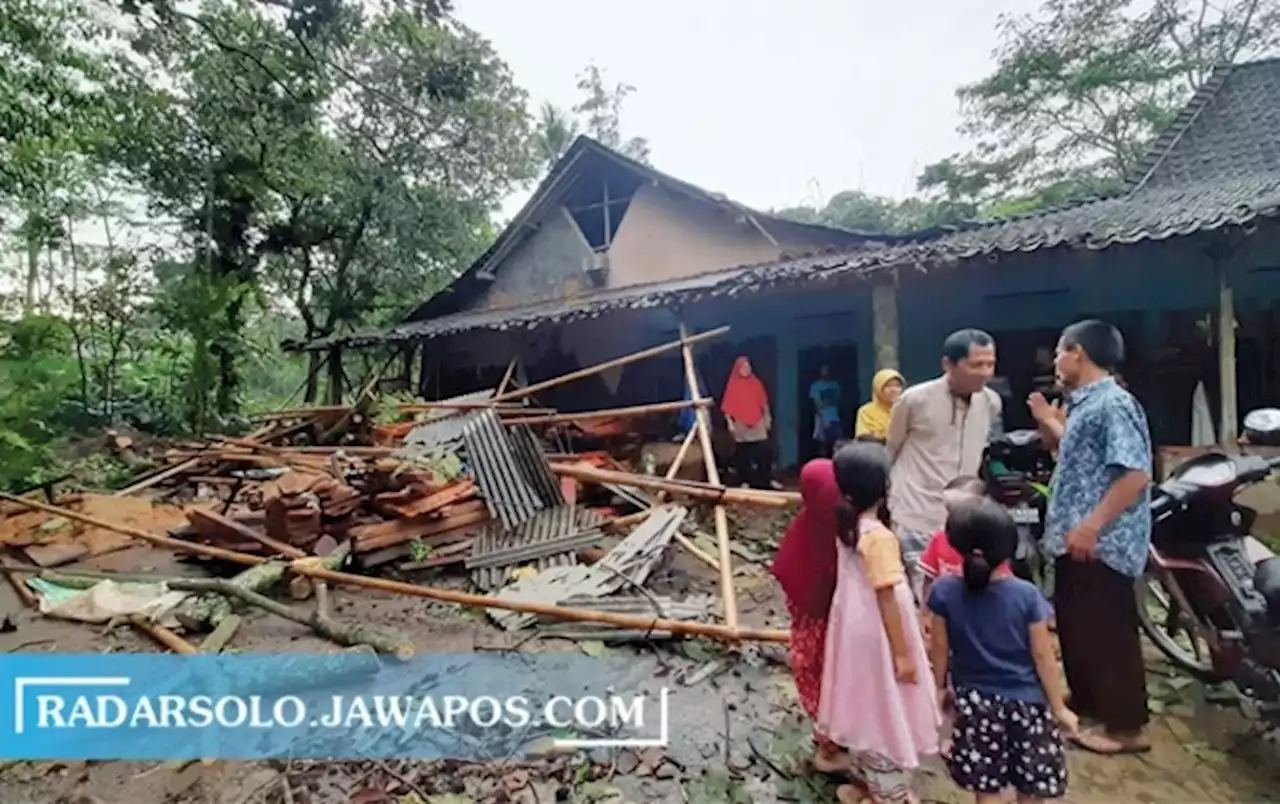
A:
(941, 559)
(805, 567)
(874, 700)
(992, 634)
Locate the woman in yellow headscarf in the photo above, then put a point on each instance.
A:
(872, 423)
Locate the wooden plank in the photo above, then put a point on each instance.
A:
(214, 525)
(422, 530)
(222, 635)
(450, 495)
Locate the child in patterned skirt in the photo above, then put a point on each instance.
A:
(991, 633)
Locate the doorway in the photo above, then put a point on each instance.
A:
(715, 364)
(842, 360)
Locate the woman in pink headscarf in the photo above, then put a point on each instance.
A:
(805, 567)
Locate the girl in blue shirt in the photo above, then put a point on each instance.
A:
(991, 633)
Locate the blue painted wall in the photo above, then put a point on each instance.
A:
(1033, 291)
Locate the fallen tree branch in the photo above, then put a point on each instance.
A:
(346, 634)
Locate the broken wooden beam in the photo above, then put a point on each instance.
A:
(683, 627)
(221, 636)
(702, 491)
(598, 368)
(163, 635)
(703, 425)
(611, 413)
(176, 545)
(211, 524)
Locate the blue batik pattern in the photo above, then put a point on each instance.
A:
(1106, 436)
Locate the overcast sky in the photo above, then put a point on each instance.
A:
(771, 102)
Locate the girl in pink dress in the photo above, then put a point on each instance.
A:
(877, 700)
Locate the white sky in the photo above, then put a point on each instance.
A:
(771, 102)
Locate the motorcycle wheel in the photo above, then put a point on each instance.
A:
(1177, 634)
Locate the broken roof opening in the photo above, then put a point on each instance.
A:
(598, 200)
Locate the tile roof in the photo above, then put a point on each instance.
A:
(1217, 165)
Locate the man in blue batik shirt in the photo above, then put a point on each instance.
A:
(1098, 530)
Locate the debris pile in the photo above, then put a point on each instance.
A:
(460, 489)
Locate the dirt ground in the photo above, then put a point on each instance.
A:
(745, 742)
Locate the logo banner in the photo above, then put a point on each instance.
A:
(324, 706)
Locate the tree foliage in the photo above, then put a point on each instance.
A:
(860, 212)
(323, 165)
(1082, 87)
(598, 114)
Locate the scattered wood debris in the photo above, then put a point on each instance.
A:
(464, 484)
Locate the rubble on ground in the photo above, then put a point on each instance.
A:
(469, 491)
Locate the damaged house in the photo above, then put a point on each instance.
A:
(610, 256)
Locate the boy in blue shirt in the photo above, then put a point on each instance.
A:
(825, 395)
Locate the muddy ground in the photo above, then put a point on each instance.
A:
(741, 740)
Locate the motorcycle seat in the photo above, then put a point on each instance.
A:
(1266, 582)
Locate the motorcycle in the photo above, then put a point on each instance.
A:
(1017, 468)
(1214, 587)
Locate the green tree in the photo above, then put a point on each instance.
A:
(1080, 89)
(556, 131)
(860, 212)
(349, 169)
(601, 113)
(56, 113)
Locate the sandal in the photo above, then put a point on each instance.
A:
(1101, 744)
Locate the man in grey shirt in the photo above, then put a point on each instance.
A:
(937, 433)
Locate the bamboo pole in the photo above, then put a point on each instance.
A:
(299, 413)
(674, 468)
(163, 635)
(609, 364)
(611, 413)
(501, 408)
(147, 482)
(700, 491)
(506, 377)
(628, 621)
(177, 545)
(311, 568)
(713, 476)
(680, 539)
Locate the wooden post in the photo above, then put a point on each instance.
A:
(884, 317)
(591, 371)
(1228, 429)
(335, 375)
(713, 476)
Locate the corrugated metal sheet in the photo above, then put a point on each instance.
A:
(630, 563)
(533, 463)
(508, 496)
(695, 608)
(550, 538)
(442, 428)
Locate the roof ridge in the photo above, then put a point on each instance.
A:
(1164, 144)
